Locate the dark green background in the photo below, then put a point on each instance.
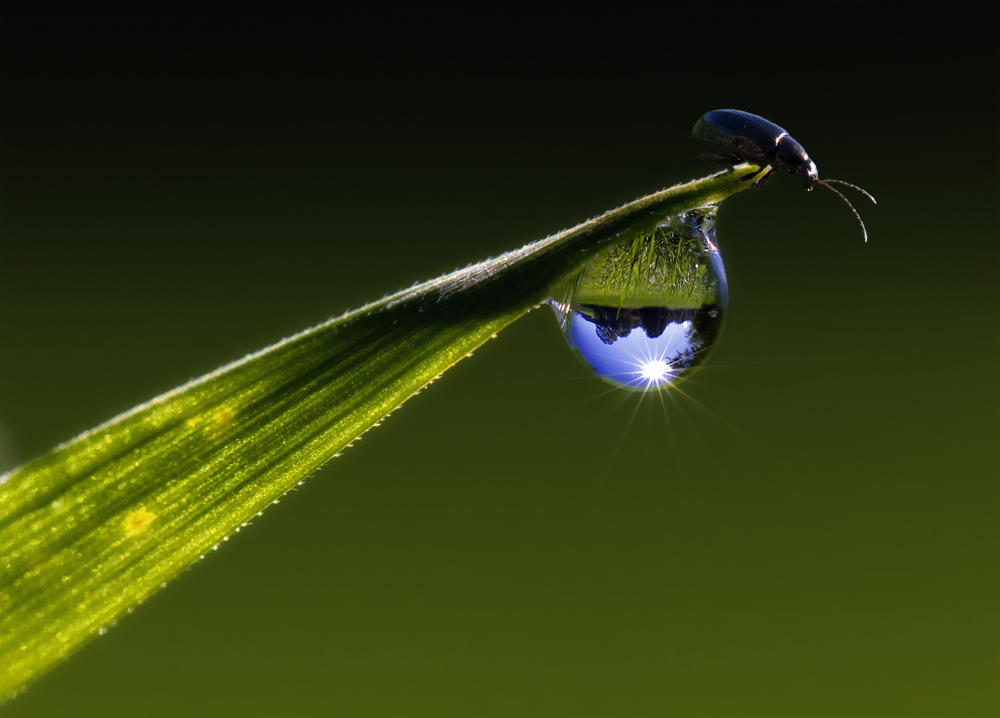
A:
(815, 533)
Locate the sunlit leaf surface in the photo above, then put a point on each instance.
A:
(101, 522)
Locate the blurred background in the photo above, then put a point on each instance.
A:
(810, 529)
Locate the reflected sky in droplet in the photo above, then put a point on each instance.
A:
(635, 361)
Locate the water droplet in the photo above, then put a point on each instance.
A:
(649, 311)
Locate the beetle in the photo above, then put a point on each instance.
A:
(749, 138)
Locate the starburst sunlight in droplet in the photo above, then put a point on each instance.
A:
(655, 371)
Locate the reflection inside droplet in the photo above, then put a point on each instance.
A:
(649, 311)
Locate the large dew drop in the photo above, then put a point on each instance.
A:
(649, 311)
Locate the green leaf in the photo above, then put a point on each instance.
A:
(98, 524)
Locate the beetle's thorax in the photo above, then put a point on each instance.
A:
(790, 157)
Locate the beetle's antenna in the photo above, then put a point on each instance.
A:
(863, 230)
(852, 187)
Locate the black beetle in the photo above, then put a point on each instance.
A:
(749, 138)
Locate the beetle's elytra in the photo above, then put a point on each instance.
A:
(748, 138)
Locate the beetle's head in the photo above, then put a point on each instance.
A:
(808, 174)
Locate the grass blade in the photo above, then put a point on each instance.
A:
(98, 524)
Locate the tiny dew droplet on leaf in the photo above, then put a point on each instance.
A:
(649, 311)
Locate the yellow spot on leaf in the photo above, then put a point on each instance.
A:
(220, 420)
(137, 521)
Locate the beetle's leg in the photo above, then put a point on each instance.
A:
(763, 179)
(720, 158)
(761, 176)
(744, 178)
